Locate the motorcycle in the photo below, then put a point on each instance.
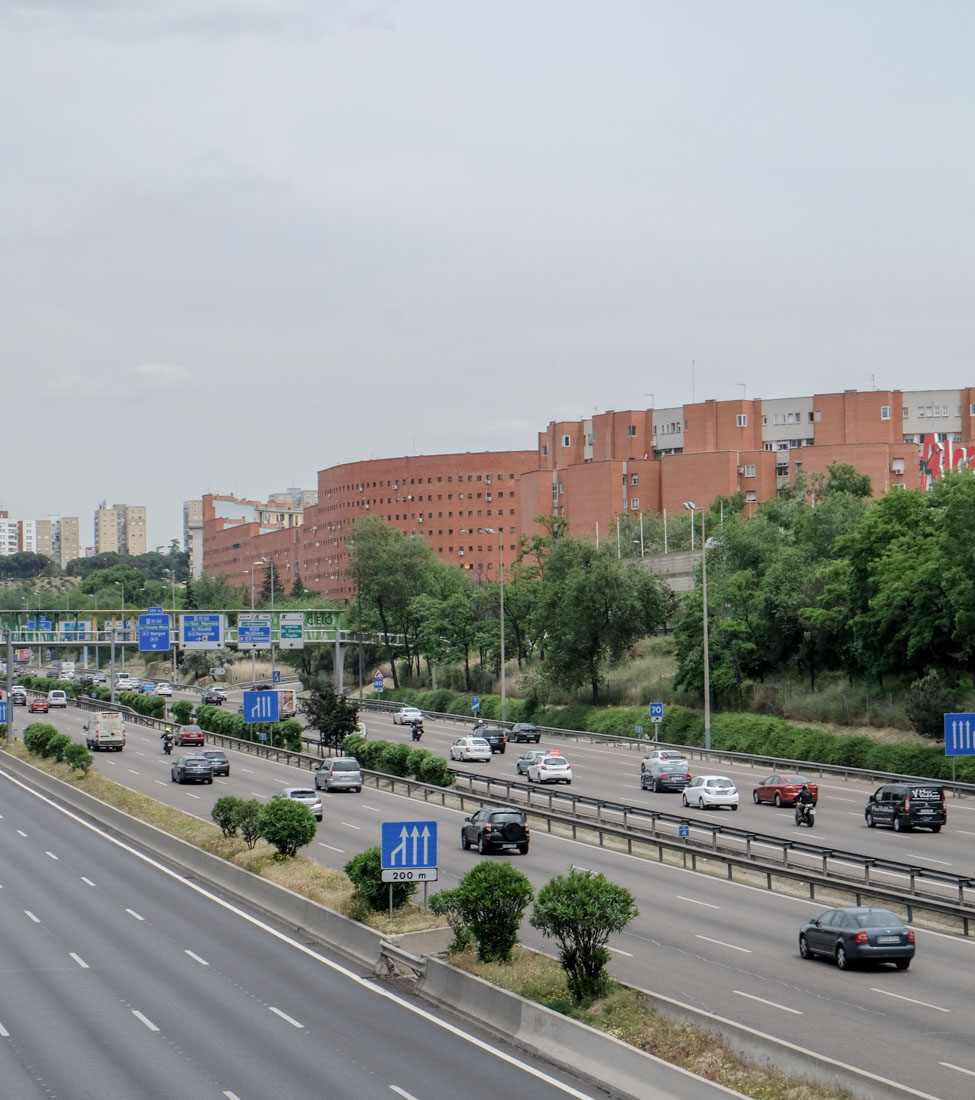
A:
(416, 731)
(805, 814)
(168, 746)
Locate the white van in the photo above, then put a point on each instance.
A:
(106, 731)
(57, 698)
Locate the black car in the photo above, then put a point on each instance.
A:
(219, 761)
(492, 829)
(524, 731)
(495, 736)
(214, 697)
(858, 934)
(191, 769)
(85, 682)
(666, 775)
(905, 806)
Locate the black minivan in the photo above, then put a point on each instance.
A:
(906, 806)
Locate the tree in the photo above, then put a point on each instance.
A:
(593, 607)
(286, 825)
(489, 902)
(78, 757)
(334, 716)
(581, 911)
(929, 701)
(297, 589)
(365, 872)
(845, 478)
(270, 584)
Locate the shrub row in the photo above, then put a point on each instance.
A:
(397, 758)
(44, 740)
(279, 735)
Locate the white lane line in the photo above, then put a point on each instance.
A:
(36, 920)
(256, 794)
(132, 771)
(4, 1033)
(348, 825)
(943, 862)
(196, 958)
(402, 1092)
(87, 881)
(694, 901)
(79, 960)
(230, 1095)
(144, 1019)
(190, 794)
(721, 943)
(964, 832)
(961, 1069)
(133, 913)
(247, 771)
(284, 1016)
(20, 832)
(619, 951)
(901, 997)
(375, 809)
(160, 782)
(785, 1008)
(341, 851)
(51, 854)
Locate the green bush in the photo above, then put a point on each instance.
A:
(249, 820)
(436, 771)
(225, 813)
(182, 712)
(78, 757)
(393, 759)
(488, 902)
(36, 737)
(55, 746)
(365, 873)
(286, 825)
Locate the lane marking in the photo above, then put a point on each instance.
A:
(230, 1095)
(721, 943)
(36, 920)
(132, 771)
(402, 1092)
(961, 1069)
(190, 794)
(785, 1008)
(144, 1019)
(349, 825)
(196, 958)
(51, 854)
(20, 832)
(375, 809)
(341, 851)
(620, 951)
(133, 913)
(79, 960)
(901, 997)
(943, 862)
(87, 881)
(4, 1033)
(284, 1016)
(694, 901)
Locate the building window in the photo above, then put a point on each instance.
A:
(885, 412)
(631, 429)
(750, 470)
(750, 497)
(634, 504)
(741, 420)
(544, 449)
(905, 411)
(566, 441)
(635, 479)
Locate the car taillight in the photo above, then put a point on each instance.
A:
(907, 804)
(862, 937)
(910, 935)
(488, 827)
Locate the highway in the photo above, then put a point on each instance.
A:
(123, 979)
(722, 947)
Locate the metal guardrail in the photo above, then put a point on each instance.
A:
(642, 744)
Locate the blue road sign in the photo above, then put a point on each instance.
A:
(409, 845)
(476, 704)
(377, 682)
(656, 712)
(639, 729)
(154, 632)
(3, 711)
(683, 830)
(959, 734)
(276, 676)
(261, 706)
(204, 631)
(254, 631)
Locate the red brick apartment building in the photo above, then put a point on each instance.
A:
(590, 472)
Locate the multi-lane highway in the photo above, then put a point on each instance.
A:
(722, 947)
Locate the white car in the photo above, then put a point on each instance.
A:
(471, 748)
(164, 689)
(659, 756)
(550, 769)
(710, 790)
(407, 715)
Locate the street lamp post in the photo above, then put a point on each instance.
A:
(269, 565)
(692, 507)
(122, 586)
(253, 651)
(172, 589)
(504, 697)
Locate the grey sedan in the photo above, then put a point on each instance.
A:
(858, 934)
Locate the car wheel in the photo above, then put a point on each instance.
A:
(804, 952)
(935, 828)
(842, 959)
(778, 801)
(902, 964)
(210, 780)
(735, 806)
(523, 848)
(755, 797)
(683, 799)
(900, 825)
(481, 846)
(653, 786)
(643, 785)
(464, 842)
(358, 789)
(172, 777)
(871, 824)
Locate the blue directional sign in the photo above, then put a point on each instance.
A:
(656, 712)
(154, 631)
(254, 631)
(3, 711)
(204, 631)
(261, 706)
(409, 851)
(476, 704)
(959, 734)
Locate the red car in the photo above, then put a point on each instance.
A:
(189, 735)
(38, 706)
(783, 789)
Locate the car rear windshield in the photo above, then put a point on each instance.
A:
(794, 779)
(479, 743)
(875, 917)
(345, 766)
(510, 815)
(303, 794)
(671, 766)
(554, 762)
(720, 783)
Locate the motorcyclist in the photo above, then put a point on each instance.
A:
(416, 727)
(167, 739)
(804, 801)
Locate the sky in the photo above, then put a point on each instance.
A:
(245, 240)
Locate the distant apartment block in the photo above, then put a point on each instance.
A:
(193, 535)
(65, 539)
(473, 509)
(120, 529)
(9, 535)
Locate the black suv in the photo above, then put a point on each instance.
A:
(495, 828)
(494, 735)
(524, 731)
(906, 805)
(214, 697)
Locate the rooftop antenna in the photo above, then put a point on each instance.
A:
(872, 379)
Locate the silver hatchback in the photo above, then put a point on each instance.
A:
(341, 774)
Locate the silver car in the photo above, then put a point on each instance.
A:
(304, 795)
(341, 774)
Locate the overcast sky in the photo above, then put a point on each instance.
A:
(244, 240)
